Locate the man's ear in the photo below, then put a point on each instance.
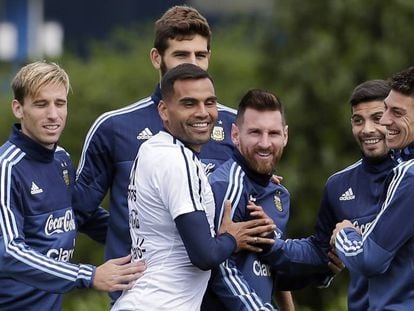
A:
(235, 134)
(286, 131)
(155, 58)
(162, 110)
(17, 109)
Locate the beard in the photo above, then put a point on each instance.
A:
(163, 67)
(261, 166)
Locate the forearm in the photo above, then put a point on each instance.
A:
(204, 251)
(363, 256)
(42, 272)
(298, 255)
(95, 225)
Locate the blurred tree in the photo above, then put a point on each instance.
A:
(314, 54)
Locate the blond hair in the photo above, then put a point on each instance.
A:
(32, 77)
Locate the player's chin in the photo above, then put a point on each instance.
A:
(200, 136)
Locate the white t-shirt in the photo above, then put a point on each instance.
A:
(167, 180)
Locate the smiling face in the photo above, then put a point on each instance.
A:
(191, 112)
(367, 130)
(261, 137)
(398, 119)
(43, 116)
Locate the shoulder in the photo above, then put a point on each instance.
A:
(60, 151)
(7, 149)
(346, 171)
(226, 113)
(119, 115)
(10, 154)
(63, 156)
(281, 189)
(226, 110)
(226, 172)
(165, 150)
(404, 170)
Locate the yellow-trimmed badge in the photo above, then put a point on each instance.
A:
(66, 177)
(218, 132)
(278, 203)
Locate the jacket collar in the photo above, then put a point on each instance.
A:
(32, 149)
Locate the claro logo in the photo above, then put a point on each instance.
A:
(261, 269)
(61, 224)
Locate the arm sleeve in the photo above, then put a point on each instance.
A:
(21, 262)
(295, 256)
(304, 262)
(95, 172)
(309, 254)
(204, 250)
(372, 253)
(95, 225)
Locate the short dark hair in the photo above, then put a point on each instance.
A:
(185, 71)
(370, 90)
(403, 82)
(259, 100)
(180, 22)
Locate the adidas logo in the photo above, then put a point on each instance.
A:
(35, 189)
(145, 134)
(348, 195)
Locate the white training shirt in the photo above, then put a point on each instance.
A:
(167, 180)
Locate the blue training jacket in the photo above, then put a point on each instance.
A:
(352, 193)
(109, 151)
(38, 226)
(245, 281)
(385, 252)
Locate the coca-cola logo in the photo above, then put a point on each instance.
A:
(60, 224)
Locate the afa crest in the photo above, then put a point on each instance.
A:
(65, 174)
(278, 203)
(218, 132)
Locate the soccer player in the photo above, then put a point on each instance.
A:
(352, 193)
(383, 252)
(171, 206)
(38, 225)
(182, 35)
(260, 133)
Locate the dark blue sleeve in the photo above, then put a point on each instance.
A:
(95, 226)
(295, 256)
(373, 253)
(19, 260)
(91, 220)
(304, 262)
(325, 223)
(308, 254)
(205, 251)
(95, 170)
